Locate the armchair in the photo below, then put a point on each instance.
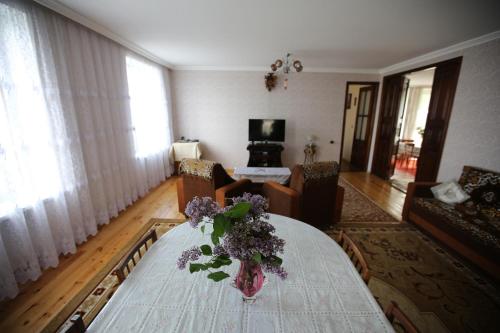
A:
(313, 195)
(203, 178)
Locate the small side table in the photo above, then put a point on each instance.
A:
(310, 152)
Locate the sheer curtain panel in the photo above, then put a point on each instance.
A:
(69, 157)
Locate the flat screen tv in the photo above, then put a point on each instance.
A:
(266, 130)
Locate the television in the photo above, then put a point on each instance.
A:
(266, 130)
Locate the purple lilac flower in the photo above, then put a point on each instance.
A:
(248, 236)
(273, 269)
(198, 208)
(192, 254)
(258, 202)
(219, 250)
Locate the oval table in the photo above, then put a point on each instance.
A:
(323, 291)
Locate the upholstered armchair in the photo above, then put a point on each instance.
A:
(313, 195)
(203, 178)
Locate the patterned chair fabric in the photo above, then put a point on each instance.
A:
(320, 170)
(194, 167)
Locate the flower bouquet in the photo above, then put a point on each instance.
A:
(241, 232)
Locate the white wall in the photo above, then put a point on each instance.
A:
(473, 136)
(214, 107)
(350, 122)
(474, 131)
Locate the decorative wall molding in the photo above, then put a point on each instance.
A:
(85, 21)
(441, 52)
(268, 69)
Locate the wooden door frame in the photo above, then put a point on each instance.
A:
(376, 85)
(399, 74)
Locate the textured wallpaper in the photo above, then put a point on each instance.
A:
(474, 132)
(214, 107)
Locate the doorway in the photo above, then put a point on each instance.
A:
(392, 148)
(410, 128)
(359, 110)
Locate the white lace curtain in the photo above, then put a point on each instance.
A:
(69, 159)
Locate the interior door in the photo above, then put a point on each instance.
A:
(399, 127)
(441, 103)
(389, 109)
(362, 129)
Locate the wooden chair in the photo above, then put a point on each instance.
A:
(133, 257)
(398, 317)
(355, 255)
(73, 325)
(408, 153)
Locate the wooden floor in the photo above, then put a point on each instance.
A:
(380, 191)
(44, 304)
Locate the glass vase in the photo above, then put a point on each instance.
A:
(250, 280)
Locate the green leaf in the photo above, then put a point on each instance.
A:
(218, 276)
(202, 228)
(225, 262)
(206, 250)
(216, 264)
(239, 210)
(276, 261)
(227, 225)
(193, 267)
(219, 225)
(257, 258)
(215, 239)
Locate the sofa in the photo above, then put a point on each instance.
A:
(471, 228)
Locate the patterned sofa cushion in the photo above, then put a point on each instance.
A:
(472, 229)
(484, 188)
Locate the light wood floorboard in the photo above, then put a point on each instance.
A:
(380, 191)
(44, 304)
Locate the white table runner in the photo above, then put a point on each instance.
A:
(261, 175)
(323, 292)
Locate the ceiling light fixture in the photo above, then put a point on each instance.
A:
(286, 66)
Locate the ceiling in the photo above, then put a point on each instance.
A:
(335, 34)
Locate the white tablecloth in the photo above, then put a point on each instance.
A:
(180, 150)
(323, 292)
(261, 175)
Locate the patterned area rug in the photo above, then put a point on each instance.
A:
(358, 208)
(437, 291)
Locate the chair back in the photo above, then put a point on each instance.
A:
(73, 325)
(130, 261)
(316, 183)
(398, 318)
(355, 255)
(199, 178)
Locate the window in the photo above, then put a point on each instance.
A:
(148, 105)
(28, 163)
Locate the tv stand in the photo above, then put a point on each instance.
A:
(265, 155)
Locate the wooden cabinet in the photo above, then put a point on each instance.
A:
(265, 155)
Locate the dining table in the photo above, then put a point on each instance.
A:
(322, 293)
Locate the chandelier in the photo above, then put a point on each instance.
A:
(286, 66)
